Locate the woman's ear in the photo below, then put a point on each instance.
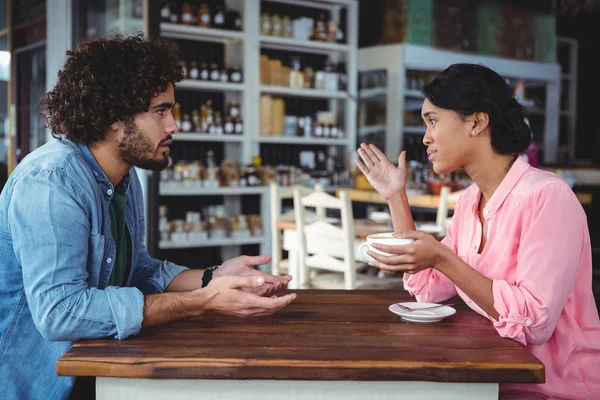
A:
(480, 121)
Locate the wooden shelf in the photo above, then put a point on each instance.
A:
(188, 32)
(196, 189)
(204, 137)
(308, 46)
(192, 84)
(316, 93)
(303, 140)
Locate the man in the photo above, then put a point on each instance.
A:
(72, 259)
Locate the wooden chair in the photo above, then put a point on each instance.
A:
(322, 245)
(277, 195)
(442, 219)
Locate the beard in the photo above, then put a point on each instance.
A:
(138, 150)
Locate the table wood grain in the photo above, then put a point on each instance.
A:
(322, 335)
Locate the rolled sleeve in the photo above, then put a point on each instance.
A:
(547, 264)
(127, 306)
(431, 285)
(55, 223)
(152, 275)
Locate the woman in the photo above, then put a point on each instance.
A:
(518, 248)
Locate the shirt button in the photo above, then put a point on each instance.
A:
(109, 260)
(109, 192)
(528, 321)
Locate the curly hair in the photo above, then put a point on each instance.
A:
(108, 80)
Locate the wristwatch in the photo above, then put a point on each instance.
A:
(208, 275)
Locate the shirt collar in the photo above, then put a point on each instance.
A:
(97, 171)
(506, 186)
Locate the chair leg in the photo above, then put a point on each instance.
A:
(293, 269)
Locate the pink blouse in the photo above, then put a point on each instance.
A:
(538, 255)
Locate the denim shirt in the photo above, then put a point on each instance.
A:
(56, 255)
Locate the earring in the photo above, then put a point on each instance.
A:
(473, 133)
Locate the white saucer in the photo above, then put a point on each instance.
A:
(422, 316)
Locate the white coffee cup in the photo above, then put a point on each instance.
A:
(386, 238)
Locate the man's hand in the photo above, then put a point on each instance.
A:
(242, 266)
(223, 296)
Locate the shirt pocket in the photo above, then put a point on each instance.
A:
(95, 257)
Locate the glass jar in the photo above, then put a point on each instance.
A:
(219, 18)
(204, 72)
(233, 109)
(184, 70)
(265, 24)
(275, 25)
(186, 123)
(187, 14)
(204, 15)
(165, 12)
(236, 75)
(224, 76)
(239, 126)
(215, 75)
(176, 111)
(228, 127)
(287, 27)
(194, 72)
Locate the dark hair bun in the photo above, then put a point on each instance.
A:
(471, 88)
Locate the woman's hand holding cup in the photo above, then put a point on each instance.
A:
(409, 252)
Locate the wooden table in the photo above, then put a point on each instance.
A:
(425, 200)
(325, 345)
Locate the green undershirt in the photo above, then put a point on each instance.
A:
(118, 228)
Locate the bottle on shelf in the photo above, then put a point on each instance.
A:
(320, 32)
(197, 124)
(187, 14)
(318, 129)
(174, 15)
(233, 109)
(265, 24)
(186, 123)
(239, 126)
(193, 72)
(218, 124)
(326, 129)
(332, 29)
(236, 75)
(209, 115)
(342, 77)
(228, 126)
(214, 72)
(275, 25)
(308, 77)
(204, 72)
(203, 119)
(224, 75)
(176, 111)
(218, 20)
(184, 69)
(165, 12)
(330, 82)
(287, 27)
(204, 15)
(233, 20)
